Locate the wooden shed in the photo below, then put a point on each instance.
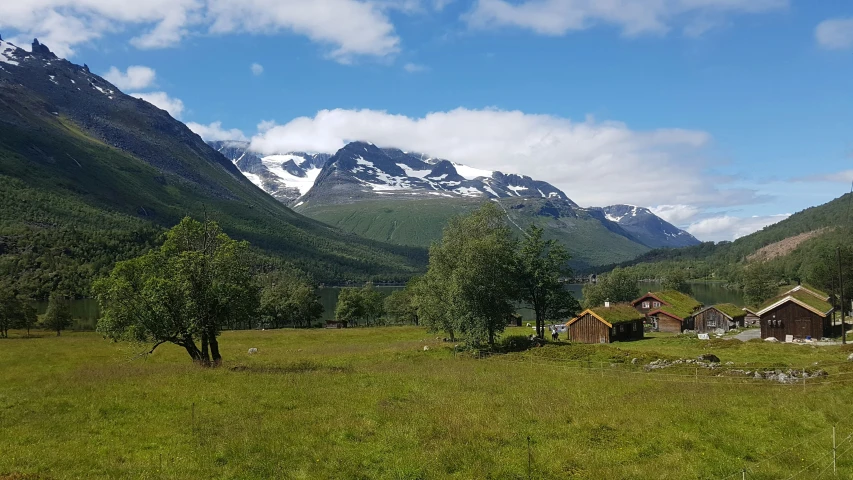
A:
(799, 313)
(751, 316)
(606, 324)
(669, 311)
(725, 316)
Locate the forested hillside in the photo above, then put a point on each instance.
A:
(89, 176)
(820, 229)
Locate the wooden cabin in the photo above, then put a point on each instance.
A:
(607, 324)
(668, 311)
(336, 324)
(799, 313)
(751, 316)
(725, 317)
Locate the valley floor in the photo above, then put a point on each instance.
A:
(372, 403)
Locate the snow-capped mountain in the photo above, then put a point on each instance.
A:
(286, 177)
(361, 169)
(646, 227)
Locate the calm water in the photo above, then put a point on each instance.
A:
(85, 311)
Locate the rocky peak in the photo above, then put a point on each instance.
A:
(41, 49)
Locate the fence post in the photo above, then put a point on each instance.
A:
(834, 471)
(529, 455)
(602, 369)
(697, 375)
(744, 473)
(804, 379)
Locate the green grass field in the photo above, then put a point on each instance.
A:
(371, 403)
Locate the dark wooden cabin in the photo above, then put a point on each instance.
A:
(611, 323)
(800, 314)
(668, 311)
(725, 316)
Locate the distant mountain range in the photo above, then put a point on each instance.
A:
(406, 198)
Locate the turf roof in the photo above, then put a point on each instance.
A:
(678, 304)
(787, 288)
(619, 313)
(804, 297)
(731, 310)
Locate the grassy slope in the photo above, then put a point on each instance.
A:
(420, 221)
(824, 218)
(52, 157)
(370, 403)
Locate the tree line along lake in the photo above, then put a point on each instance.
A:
(85, 311)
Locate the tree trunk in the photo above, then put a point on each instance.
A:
(58, 332)
(214, 349)
(191, 349)
(205, 354)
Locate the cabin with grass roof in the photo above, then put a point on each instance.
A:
(668, 311)
(799, 312)
(725, 317)
(607, 324)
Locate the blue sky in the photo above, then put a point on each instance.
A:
(721, 115)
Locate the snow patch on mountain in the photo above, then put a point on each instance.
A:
(471, 173)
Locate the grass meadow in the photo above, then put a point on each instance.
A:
(371, 403)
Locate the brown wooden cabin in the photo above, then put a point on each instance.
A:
(800, 314)
(751, 316)
(607, 324)
(668, 311)
(336, 324)
(724, 316)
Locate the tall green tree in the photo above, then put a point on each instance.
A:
(821, 270)
(58, 314)
(350, 307)
(289, 297)
(183, 292)
(9, 310)
(401, 305)
(675, 279)
(470, 279)
(541, 267)
(758, 284)
(28, 317)
(373, 301)
(620, 285)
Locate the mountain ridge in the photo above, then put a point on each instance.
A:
(363, 173)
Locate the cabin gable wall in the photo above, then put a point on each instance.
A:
(792, 319)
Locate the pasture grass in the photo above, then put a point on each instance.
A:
(371, 403)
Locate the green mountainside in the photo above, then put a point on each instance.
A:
(89, 176)
(419, 221)
(827, 226)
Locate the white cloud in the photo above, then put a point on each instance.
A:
(256, 69)
(415, 68)
(350, 28)
(634, 17)
(162, 100)
(677, 214)
(134, 78)
(595, 163)
(726, 227)
(836, 33)
(845, 176)
(214, 132)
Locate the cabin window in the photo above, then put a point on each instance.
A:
(635, 326)
(645, 304)
(656, 304)
(621, 328)
(712, 321)
(613, 331)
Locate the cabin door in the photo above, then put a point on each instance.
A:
(802, 327)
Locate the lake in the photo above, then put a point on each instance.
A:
(85, 311)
